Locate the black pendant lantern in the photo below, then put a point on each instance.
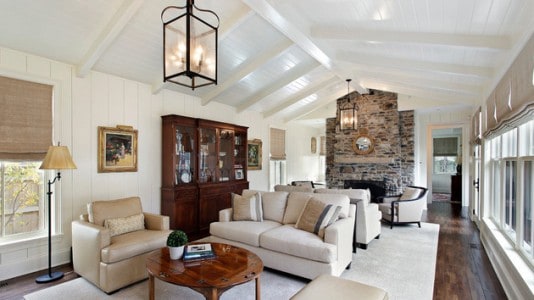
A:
(348, 116)
(189, 45)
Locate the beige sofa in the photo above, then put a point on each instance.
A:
(368, 215)
(282, 246)
(111, 241)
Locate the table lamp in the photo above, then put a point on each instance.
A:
(57, 158)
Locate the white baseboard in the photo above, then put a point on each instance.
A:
(33, 264)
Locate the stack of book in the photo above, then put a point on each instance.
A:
(198, 252)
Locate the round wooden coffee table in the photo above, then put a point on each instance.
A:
(210, 277)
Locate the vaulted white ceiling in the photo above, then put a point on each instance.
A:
(290, 58)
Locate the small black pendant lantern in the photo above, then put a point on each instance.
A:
(348, 116)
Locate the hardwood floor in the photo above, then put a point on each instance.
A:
(463, 270)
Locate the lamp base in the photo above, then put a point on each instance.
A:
(49, 278)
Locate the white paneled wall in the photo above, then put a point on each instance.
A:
(302, 164)
(80, 106)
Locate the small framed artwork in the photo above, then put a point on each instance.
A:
(313, 145)
(239, 174)
(254, 154)
(117, 149)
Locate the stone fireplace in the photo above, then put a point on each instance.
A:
(391, 162)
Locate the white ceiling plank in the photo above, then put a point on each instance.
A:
(285, 79)
(247, 69)
(120, 20)
(237, 20)
(316, 106)
(264, 9)
(364, 59)
(424, 82)
(460, 40)
(301, 95)
(425, 94)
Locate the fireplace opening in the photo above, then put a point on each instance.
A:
(377, 188)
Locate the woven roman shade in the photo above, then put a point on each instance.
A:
(512, 101)
(322, 148)
(278, 144)
(25, 119)
(446, 146)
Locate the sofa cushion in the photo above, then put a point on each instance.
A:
(297, 201)
(99, 211)
(290, 240)
(273, 204)
(246, 208)
(316, 216)
(247, 232)
(118, 226)
(132, 244)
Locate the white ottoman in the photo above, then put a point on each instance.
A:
(331, 287)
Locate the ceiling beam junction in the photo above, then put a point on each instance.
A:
(271, 15)
(116, 24)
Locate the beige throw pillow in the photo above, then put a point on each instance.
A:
(124, 225)
(246, 208)
(316, 216)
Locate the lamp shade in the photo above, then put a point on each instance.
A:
(57, 158)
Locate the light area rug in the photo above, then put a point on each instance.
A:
(402, 262)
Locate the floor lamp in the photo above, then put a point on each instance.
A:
(57, 158)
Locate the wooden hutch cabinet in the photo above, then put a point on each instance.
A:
(203, 162)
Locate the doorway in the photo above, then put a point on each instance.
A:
(445, 163)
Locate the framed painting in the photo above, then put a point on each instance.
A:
(254, 154)
(239, 174)
(117, 149)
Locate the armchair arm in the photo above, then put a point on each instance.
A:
(225, 215)
(389, 199)
(87, 242)
(156, 222)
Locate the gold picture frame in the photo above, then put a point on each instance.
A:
(117, 149)
(254, 154)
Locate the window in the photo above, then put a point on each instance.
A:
(445, 164)
(511, 194)
(277, 163)
(528, 212)
(21, 198)
(26, 132)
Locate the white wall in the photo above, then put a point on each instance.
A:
(426, 121)
(302, 164)
(80, 106)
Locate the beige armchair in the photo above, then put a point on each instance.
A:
(406, 208)
(111, 241)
